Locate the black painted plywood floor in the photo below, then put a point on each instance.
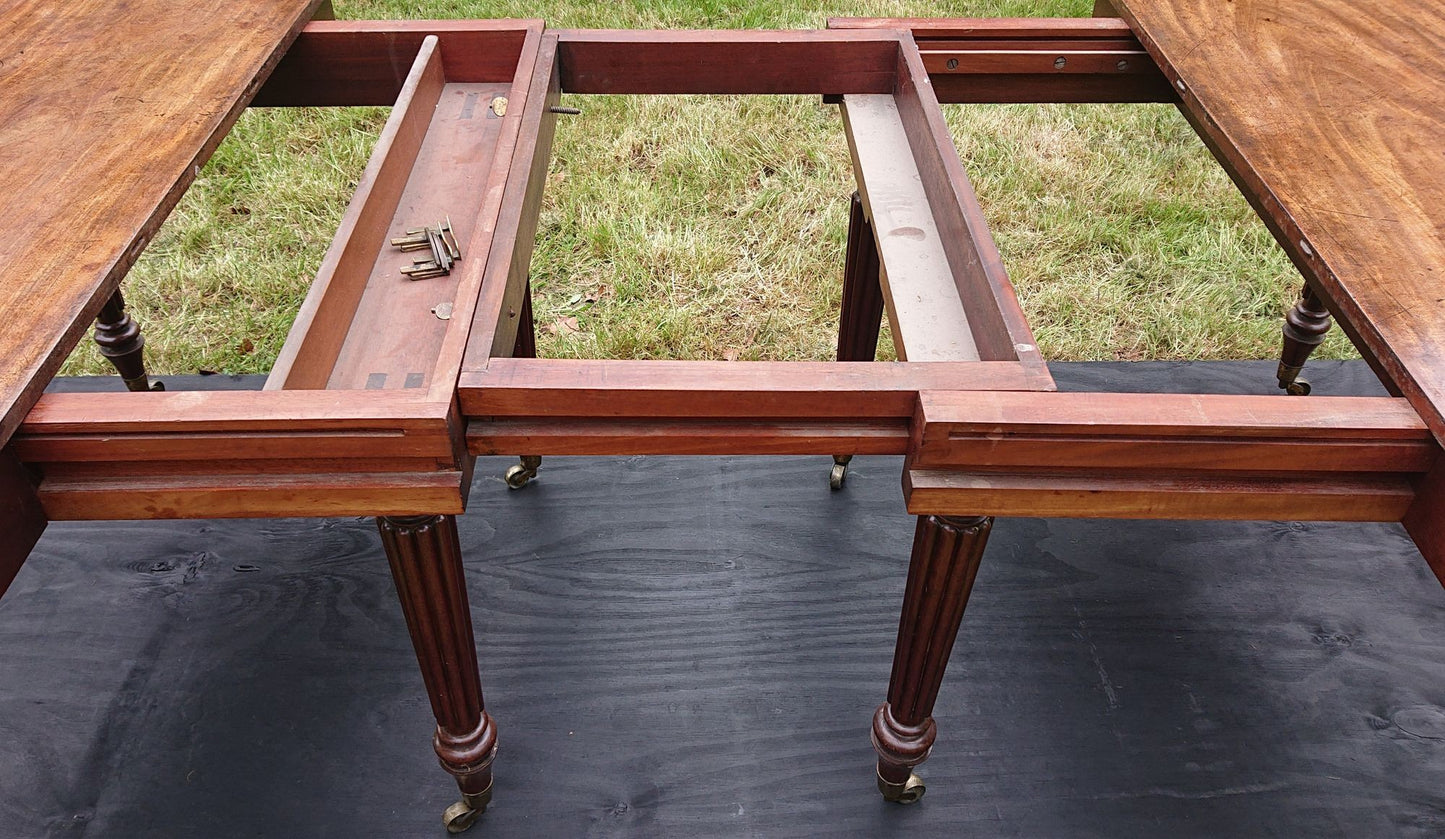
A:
(694, 647)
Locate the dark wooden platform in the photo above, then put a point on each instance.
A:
(694, 646)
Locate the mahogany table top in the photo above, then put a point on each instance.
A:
(1331, 115)
(108, 108)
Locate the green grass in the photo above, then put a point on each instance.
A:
(714, 227)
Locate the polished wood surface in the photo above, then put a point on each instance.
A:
(1329, 115)
(109, 110)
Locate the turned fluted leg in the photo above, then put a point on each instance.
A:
(946, 553)
(1304, 329)
(121, 342)
(426, 563)
(526, 347)
(862, 313)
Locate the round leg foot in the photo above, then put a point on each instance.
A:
(1298, 387)
(463, 814)
(907, 792)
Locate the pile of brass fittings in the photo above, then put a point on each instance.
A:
(443, 245)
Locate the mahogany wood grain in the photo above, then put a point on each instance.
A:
(504, 306)
(1168, 432)
(499, 208)
(1000, 330)
(121, 342)
(1425, 520)
(928, 317)
(425, 555)
(721, 389)
(984, 29)
(1146, 494)
(22, 518)
(1304, 329)
(365, 62)
(946, 556)
(110, 110)
(727, 61)
(396, 337)
(1327, 114)
(80, 496)
(861, 316)
(986, 60)
(308, 358)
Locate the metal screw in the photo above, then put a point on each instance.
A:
(1122, 65)
(953, 63)
(1060, 62)
(560, 109)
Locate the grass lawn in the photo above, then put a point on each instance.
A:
(714, 227)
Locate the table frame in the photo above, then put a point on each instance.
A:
(982, 433)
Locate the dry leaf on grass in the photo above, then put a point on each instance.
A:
(562, 326)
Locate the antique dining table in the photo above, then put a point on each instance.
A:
(399, 372)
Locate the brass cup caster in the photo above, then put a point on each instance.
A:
(840, 471)
(142, 384)
(521, 474)
(463, 814)
(907, 792)
(1290, 382)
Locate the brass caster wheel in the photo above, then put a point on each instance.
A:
(907, 792)
(521, 474)
(459, 817)
(837, 476)
(463, 814)
(1298, 387)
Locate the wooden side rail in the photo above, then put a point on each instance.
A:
(1183, 456)
(209, 454)
(1015, 60)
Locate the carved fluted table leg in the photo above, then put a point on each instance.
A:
(946, 553)
(1304, 329)
(862, 313)
(526, 347)
(121, 342)
(426, 563)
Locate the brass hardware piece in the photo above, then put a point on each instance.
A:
(440, 240)
(522, 473)
(499, 106)
(907, 792)
(464, 813)
(443, 311)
